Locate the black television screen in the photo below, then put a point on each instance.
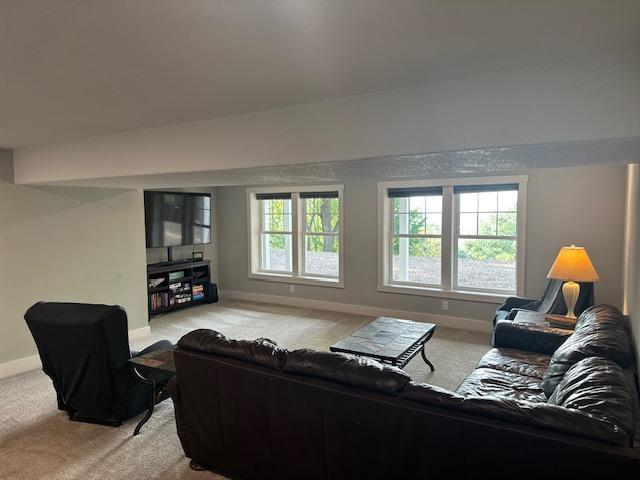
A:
(176, 218)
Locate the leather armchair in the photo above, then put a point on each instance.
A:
(551, 302)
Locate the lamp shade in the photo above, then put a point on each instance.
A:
(573, 264)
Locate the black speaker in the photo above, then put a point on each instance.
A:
(213, 293)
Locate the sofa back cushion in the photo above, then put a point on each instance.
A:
(357, 372)
(601, 331)
(581, 421)
(262, 351)
(598, 387)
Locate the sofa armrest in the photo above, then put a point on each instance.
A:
(515, 302)
(514, 311)
(173, 387)
(529, 336)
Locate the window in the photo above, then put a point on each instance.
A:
(486, 240)
(275, 234)
(321, 212)
(296, 235)
(453, 238)
(417, 237)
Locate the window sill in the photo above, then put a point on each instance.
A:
(285, 278)
(456, 295)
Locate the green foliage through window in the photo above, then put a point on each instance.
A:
(322, 216)
(501, 224)
(480, 249)
(418, 222)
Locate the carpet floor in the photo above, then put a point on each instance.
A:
(39, 442)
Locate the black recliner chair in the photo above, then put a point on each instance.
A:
(84, 349)
(552, 302)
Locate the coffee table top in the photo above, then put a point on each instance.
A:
(388, 339)
(160, 361)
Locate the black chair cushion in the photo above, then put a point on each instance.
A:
(262, 351)
(597, 386)
(601, 331)
(360, 372)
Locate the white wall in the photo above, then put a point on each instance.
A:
(562, 102)
(580, 205)
(632, 257)
(67, 244)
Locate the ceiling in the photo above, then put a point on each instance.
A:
(72, 69)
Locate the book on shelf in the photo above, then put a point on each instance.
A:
(180, 287)
(176, 275)
(198, 292)
(159, 300)
(156, 282)
(177, 301)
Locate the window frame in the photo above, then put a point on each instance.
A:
(298, 234)
(449, 235)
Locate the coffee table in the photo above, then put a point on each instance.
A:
(154, 369)
(389, 340)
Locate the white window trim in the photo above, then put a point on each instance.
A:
(449, 221)
(297, 238)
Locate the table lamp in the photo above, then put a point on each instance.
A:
(572, 265)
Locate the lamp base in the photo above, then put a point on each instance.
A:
(570, 291)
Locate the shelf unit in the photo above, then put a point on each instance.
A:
(175, 285)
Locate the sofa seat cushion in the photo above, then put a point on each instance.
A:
(601, 331)
(360, 372)
(516, 361)
(487, 382)
(262, 351)
(598, 387)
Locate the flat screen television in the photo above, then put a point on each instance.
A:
(177, 218)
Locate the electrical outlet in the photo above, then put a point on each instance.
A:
(292, 289)
(445, 304)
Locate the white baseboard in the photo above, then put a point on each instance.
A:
(21, 365)
(139, 333)
(441, 320)
(26, 364)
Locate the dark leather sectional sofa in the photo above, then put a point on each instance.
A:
(250, 409)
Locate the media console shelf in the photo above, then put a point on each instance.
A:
(176, 285)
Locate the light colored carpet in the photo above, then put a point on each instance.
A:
(38, 441)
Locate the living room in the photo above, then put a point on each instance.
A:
(406, 170)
